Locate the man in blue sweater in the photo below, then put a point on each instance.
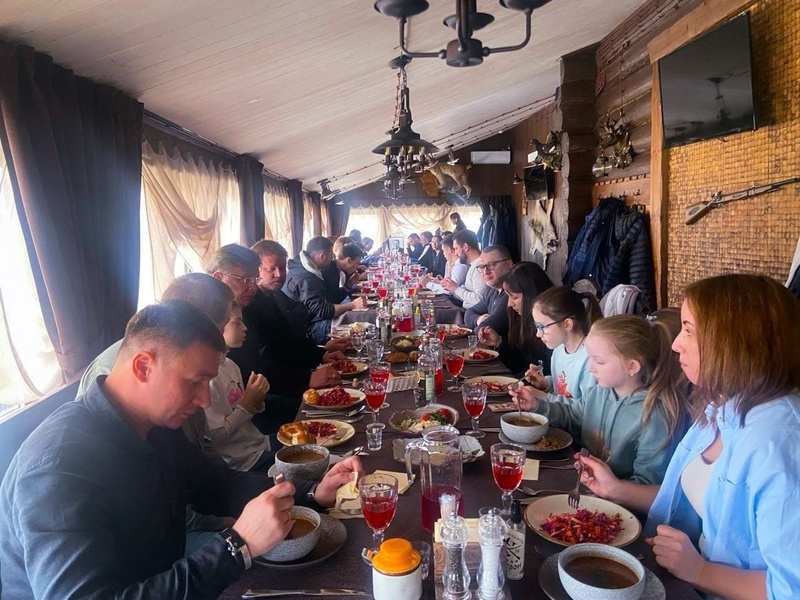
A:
(94, 501)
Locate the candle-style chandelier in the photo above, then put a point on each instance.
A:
(404, 152)
(464, 51)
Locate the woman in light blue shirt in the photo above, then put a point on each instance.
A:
(726, 517)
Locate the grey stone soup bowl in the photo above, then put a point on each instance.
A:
(578, 590)
(521, 434)
(292, 549)
(306, 461)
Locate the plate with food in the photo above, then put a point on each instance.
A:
(414, 422)
(456, 331)
(349, 368)
(406, 342)
(396, 358)
(337, 398)
(481, 355)
(555, 440)
(596, 520)
(496, 385)
(325, 432)
(470, 448)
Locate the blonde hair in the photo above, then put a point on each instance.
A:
(650, 344)
(748, 334)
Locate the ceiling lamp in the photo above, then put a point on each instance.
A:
(326, 194)
(465, 51)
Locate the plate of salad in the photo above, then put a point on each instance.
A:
(414, 422)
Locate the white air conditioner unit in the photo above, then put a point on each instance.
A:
(491, 157)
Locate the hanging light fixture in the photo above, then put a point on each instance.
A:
(405, 150)
(326, 193)
(465, 51)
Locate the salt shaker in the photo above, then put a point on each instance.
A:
(491, 534)
(454, 533)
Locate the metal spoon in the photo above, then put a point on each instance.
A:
(354, 452)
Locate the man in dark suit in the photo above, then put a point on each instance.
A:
(413, 247)
(439, 259)
(426, 256)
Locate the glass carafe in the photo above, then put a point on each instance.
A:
(439, 468)
(404, 316)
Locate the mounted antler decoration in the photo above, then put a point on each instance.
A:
(616, 134)
(458, 173)
(549, 154)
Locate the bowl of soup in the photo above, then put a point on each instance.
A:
(525, 427)
(600, 572)
(304, 462)
(302, 537)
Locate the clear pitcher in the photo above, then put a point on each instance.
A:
(439, 468)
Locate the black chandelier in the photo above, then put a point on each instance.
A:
(464, 51)
(404, 152)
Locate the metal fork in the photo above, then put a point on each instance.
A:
(574, 499)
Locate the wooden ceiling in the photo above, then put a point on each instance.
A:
(303, 85)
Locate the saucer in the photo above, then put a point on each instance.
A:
(551, 583)
(331, 539)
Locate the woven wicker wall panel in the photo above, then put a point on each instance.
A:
(756, 235)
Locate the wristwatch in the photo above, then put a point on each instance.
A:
(311, 491)
(237, 547)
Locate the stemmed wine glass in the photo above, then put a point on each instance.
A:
(380, 372)
(454, 359)
(508, 462)
(474, 395)
(375, 393)
(357, 341)
(378, 495)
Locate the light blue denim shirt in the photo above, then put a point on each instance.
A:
(751, 513)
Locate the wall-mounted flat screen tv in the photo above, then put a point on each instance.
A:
(539, 183)
(707, 86)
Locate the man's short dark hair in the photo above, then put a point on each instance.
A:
(455, 216)
(414, 237)
(427, 235)
(436, 237)
(202, 291)
(350, 251)
(269, 248)
(172, 323)
(501, 250)
(465, 236)
(234, 255)
(447, 240)
(318, 244)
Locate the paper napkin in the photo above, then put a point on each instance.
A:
(531, 470)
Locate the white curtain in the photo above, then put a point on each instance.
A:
(190, 209)
(308, 219)
(380, 222)
(323, 211)
(28, 364)
(276, 214)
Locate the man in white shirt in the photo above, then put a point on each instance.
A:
(465, 244)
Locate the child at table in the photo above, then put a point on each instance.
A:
(230, 431)
(636, 414)
(562, 318)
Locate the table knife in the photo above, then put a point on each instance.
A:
(320, 592)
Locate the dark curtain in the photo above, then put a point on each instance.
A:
(338, 215)
(74, 153)
(249, 174)
(498, 224)
(296, 213)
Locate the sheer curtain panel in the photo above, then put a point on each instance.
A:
(192, 208)
(277, 215)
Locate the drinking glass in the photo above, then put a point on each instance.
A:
(472, 342)
(357, 340)
(376, 395)
(474, 395)
(441, 332)
(379, 372)
(508, 462)
(378, 495)
(454, 359)
(375, 350)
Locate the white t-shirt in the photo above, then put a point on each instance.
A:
(231, 432)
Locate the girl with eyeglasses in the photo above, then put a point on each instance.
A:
(636, 414)
(562, 318)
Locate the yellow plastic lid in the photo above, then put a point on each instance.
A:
(396, 557)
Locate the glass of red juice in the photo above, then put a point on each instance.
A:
(383, 292)
(404, 323)
(474, 396)
(441, 332)
(508, 462)
(454, 360)
(375, 393)
(378, 495)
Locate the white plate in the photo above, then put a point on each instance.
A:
(504, 381)
(395, 419)
(456, 331)
(356, 395)
(361, 367)
(540, 510)
(494, 354)
(349, 432)
(563, 437)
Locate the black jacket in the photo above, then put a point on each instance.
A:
(334, 293)
(414, 251)
(426, 257)
(439, 263)
(632, 263)
(495, 304)
(304, 286)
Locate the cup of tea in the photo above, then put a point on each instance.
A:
(306, 462)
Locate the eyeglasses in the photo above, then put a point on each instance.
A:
(246, 280)
(489, 266)
(540, 327)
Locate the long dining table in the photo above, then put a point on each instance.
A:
(347, 569)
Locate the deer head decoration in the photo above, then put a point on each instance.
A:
(550, 153)
(616, 134)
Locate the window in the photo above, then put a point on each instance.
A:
(379, 222)
(28, 365)
(277, 216)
